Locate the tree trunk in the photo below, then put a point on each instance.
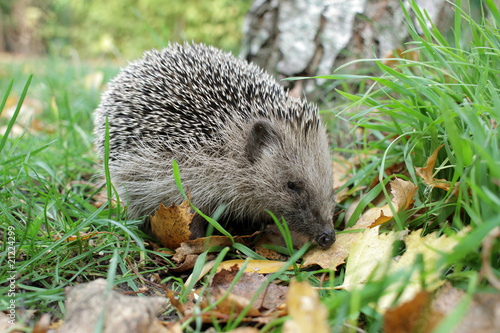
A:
(313, 37)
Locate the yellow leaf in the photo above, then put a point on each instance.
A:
(307, 313)
(369, 256)
(430, 247)
(254, 266)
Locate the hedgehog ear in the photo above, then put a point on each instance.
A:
(261, 135)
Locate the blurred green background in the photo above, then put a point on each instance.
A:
(116, 29)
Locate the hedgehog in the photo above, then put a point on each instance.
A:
(239, 139)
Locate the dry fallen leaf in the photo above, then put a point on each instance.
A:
(430, 248)
(8, 322)
(334, 256)
(306, 311)
(369, 257)
(248, 284)
(229, 304)
(254, 266)
(424, 312)
(415, 315)
(171, 225)
(370, 251)
(200, 245)
(427, 173)
(403, 192)
(223, 306)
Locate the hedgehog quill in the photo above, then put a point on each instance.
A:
(238, 137)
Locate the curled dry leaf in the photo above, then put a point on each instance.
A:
(402, 197)
(393, 58)
(427, 174)
(402, 191)
(171, 225)
(307, 312)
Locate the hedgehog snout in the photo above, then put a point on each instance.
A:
(326, 239)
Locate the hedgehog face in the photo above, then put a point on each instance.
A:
(295, 179)
(308, 211)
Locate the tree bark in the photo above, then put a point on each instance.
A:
(313, 37)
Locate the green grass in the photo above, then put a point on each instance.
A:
(449, 96)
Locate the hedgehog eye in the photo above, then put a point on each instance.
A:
(294, 187)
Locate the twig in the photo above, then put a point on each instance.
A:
(486, 269)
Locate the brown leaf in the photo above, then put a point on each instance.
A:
(334, 256)
(42, 325)
(270, 254)
(263, 309)
(414, 316)
(171, 225)
(427, 174)
(402, 192)
(188, 263)
(231, 304)
(247, 286)
(306, 311)
(200, 245)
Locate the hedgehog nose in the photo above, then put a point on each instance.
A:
(326, 239)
